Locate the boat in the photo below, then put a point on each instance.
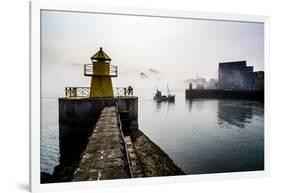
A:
(158, 97)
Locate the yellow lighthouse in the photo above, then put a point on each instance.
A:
(101, 72)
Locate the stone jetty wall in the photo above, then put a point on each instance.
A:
(105, 156)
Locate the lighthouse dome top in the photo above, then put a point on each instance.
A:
(100, 56)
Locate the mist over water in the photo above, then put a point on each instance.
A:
(200, 136)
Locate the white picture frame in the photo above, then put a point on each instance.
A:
(37, 6)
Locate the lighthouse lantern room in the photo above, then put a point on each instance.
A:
(101, 72)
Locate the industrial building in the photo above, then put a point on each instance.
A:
(238, 76)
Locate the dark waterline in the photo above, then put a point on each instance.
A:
(200, 136)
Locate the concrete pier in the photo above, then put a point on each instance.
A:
(111, 155)
(224, 94)
(94, 146)
(78, 116)
(129, 105)
(105, 156)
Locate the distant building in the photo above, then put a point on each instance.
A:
(191, 81)
(258, 80)
(238, 76)
(198, 83)
(202, 83)
(200, 86)
(212, 84)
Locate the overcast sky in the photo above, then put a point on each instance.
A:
(149, 51)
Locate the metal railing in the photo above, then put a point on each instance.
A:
(77, 91)
(89, 70)
(125, 144)
(123, 91)
(85, 92)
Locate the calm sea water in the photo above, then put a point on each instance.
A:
(200, 136)
(49, 134)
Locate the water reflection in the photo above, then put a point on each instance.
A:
(196, 104)
(158, 106)
(237, 113)
(218, 136)
(170, 105)
(164, 105)
(188, 104)
(232, 112)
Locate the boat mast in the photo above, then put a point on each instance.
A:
(168, 91)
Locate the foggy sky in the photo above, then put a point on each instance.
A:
(149, 51)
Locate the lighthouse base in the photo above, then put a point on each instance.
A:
(78, 116)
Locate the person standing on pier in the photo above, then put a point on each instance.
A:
(130, 91)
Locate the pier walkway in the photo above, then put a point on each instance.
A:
(106, 155)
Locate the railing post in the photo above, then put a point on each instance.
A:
(125, 91)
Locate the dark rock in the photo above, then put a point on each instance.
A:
(46, 178)
(153, 161)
